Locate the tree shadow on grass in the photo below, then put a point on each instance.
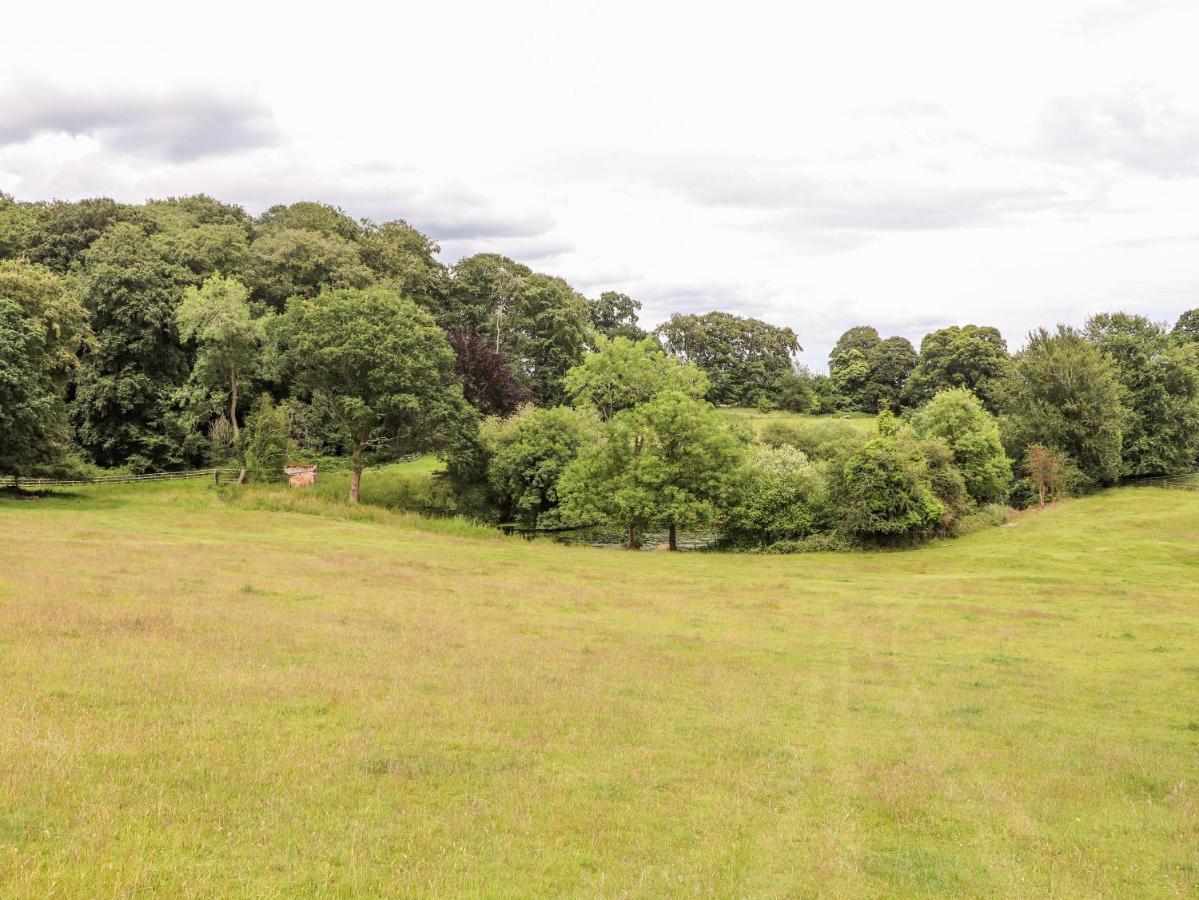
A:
(24, 498)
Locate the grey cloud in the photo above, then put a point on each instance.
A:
(174, 126)
(837, 213)
(535, 251)
(1137, 128)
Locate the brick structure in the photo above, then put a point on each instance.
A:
(299, 476)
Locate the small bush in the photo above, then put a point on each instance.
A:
(817, 440)
(886, 494)
(989, 516)
(816, 543)
(778, 495)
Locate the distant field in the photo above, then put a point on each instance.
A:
(756, 420)
(201, 697)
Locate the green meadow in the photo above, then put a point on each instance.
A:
(213, 693)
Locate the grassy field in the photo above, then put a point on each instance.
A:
(201, 697)
(756, 421)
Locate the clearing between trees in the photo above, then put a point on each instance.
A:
(201, 698)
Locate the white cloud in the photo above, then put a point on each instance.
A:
(818, 165)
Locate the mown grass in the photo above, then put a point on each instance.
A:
(211, 698)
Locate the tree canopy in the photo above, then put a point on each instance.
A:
(380, 366)
(968, 356)
(621, 374)
(1160, 377)
(1063, 392)
(668, 463)
(743, 358)
(42, 328)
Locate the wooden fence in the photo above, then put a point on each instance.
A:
(1188, 482)
(214, 474)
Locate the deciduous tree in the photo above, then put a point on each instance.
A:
(127, 381)
(380, 365)
(621, 374)
(527, 454)
(1160, 377)
(968, 356)
(957, 417)
(743, 358)
(42, 328)
(1062, 391)
(669, 462)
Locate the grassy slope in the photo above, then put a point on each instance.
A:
(756, 421)
(198, 699)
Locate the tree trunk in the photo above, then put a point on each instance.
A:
(1041, 495)
(674, 537)
(355, 482)
(241, 476)
(634, 540)
(233, 400)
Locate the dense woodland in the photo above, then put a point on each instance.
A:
(184, 332)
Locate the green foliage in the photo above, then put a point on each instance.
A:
(957, 417)
(1160, 376)
(265, 444)
(825, 440)
(527, 454)
(1063, 392)
(405, 259)
(970, 356)
(123, 398)
(744, 359)
(175, 214)
(779, 496)
(668, 462)
(16, 223)
(321, 218)
(546, 335)
(203, 250)
(615, 315)
(538, 321)
(885, 492)
(42, 328)
(795, 391)
(230, 343)
(869, 373)
(483, 292)
(380, 365)
(1186, 329)
(620, 375)
(947, 482)
(296, 262)
(61, 232)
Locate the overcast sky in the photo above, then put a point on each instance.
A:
(819, 165)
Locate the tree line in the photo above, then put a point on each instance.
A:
(184, 331)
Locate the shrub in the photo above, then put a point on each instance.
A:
(816, 440)
(526, 456)
(816, 543)
(946, 481)
(885, 492)
(265, 441)
(779, 495)
(957, 417)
